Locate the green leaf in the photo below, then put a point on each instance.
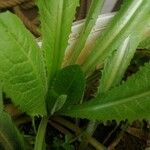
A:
(40, 140)
(22, 69)
(132, 17)
(118, 62)
(131, 101)
(56, 21)
(90, 21)
(59, 103)
(69, 81)
(10, 138)
(116, 66)
(145, 44)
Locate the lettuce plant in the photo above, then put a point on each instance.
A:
(36, 82)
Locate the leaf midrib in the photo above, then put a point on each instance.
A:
(123, 100)
(122, 27)
(56, 42)
(13, 37)
(106, 45)
(118, 63)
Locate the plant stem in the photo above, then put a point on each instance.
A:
(88, 133)
(34, 127)
(39, 142)
(74, 128)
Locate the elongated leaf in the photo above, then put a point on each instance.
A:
(69, 81)
(90, 21)
(130, 101)
(56, 19)
(21, 67)
(117, 64)
(132, 16)
(10, 138)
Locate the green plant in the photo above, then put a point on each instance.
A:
(37, 84)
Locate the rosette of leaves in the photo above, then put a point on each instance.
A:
(34, 79)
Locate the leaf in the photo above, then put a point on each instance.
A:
(131, 101)
(118, 62)
(69, 81)
(132, 17)
(90, 21)
(10, 138)
(145, 44)
(60, 101)
(56, 21)
(40, 140)
(22, 69)
(116, 66)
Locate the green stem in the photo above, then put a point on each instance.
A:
(39, 142)
(34, 127)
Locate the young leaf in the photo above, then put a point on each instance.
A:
(69, 81)
(129, 101)
(132, 14)
(22, 68)
(59, 103)
(56, 21)
(115, 66)
(92, 15)
(118, 62)
(10, 138)
(40, 140)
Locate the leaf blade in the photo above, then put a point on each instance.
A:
(123, 102)
(22, 68)
(131, 15)
(90, 21)
(56, 33)
(70, 82)
(10, 138)
(118, 62)
(145, 44)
